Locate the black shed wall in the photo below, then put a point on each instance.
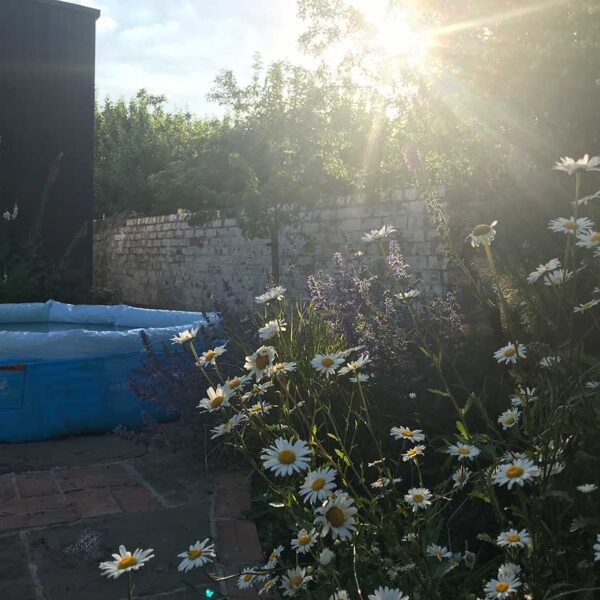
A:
(47, 56)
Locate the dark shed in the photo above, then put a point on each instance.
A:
(47, 58)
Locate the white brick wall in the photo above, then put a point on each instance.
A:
(163, 262)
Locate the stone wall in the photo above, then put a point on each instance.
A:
(164, 262)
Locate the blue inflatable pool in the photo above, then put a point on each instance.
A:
(65, 369)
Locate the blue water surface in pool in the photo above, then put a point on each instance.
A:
(46, 327)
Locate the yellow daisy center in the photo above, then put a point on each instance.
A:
(596, 236)
(247, 577)
(510, 351)
(502, 586)
(418, 498)
(273, 555)
(587, 305)
(194, 553)
(481, 230)
(234, 383)
(304, 539)
(513, 538)
(318, 484)
(327, 361)
(335, 515)
(210, 355)
(406, 433)
(464, 451)
(570, 225)
(255, 408)
(509, 420)
(296, 580)
(127, 561)
(217, 401)
(279, 367)
(514, 471)
(261, 362)
(287, 456)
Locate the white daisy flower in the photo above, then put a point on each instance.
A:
(355, 365)
(587, 488)
(592, 385)
(275, 293)
(360, 378)
(597, 548)
(410, 295)
(557, 277)
(268, 585)
(326, 556)
(304, 541)
(386, 593)
(327, 363)
(413, 453)
(271, 329)
(378, 234)
(588, 239)
(198, 555)
(210, 356)
(439, 552)
(550, 361)
(513, 539)
(337, 516)
(260, 362)
(502, 587)
(318, 485)
(380, 483)
(217, 399)
(125, 561)
(412, 396)
(285, 457)
(260, 408)
(557, 467)
(460, 477)
(510, 353)
(523, 396)
(418, 498)
(581, 308)
(517, 472)
(258, 389)
(509, 569)
(482, 235)
(236, 383)
(570, 225)
(282, 367)
(541, 270)
(185, 336)
(228, 426)
(294, 580)
(246, 579)
(274, 557)
(405, 433)
(463, 451)
(339, 595)
(570, 165)
(509, 418)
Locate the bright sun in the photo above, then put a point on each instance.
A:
(394, 32)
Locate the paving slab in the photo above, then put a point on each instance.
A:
(15, 577)
(67, 557)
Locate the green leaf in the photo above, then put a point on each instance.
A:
(481, 495)
(484, 537)
(342, 456)
(439, 392)
(462, 430)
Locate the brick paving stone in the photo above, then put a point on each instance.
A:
(15, 579)
(37, 483)
(100, 476)
(232, 497)
(20, 521)
(35, 504)
(134, 498)
(93, 503)
(237, 542)
(8, 491)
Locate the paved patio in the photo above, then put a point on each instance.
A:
(66, 505)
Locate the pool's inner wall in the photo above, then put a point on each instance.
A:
(77, 381)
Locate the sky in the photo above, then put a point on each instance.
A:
(177, 47)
